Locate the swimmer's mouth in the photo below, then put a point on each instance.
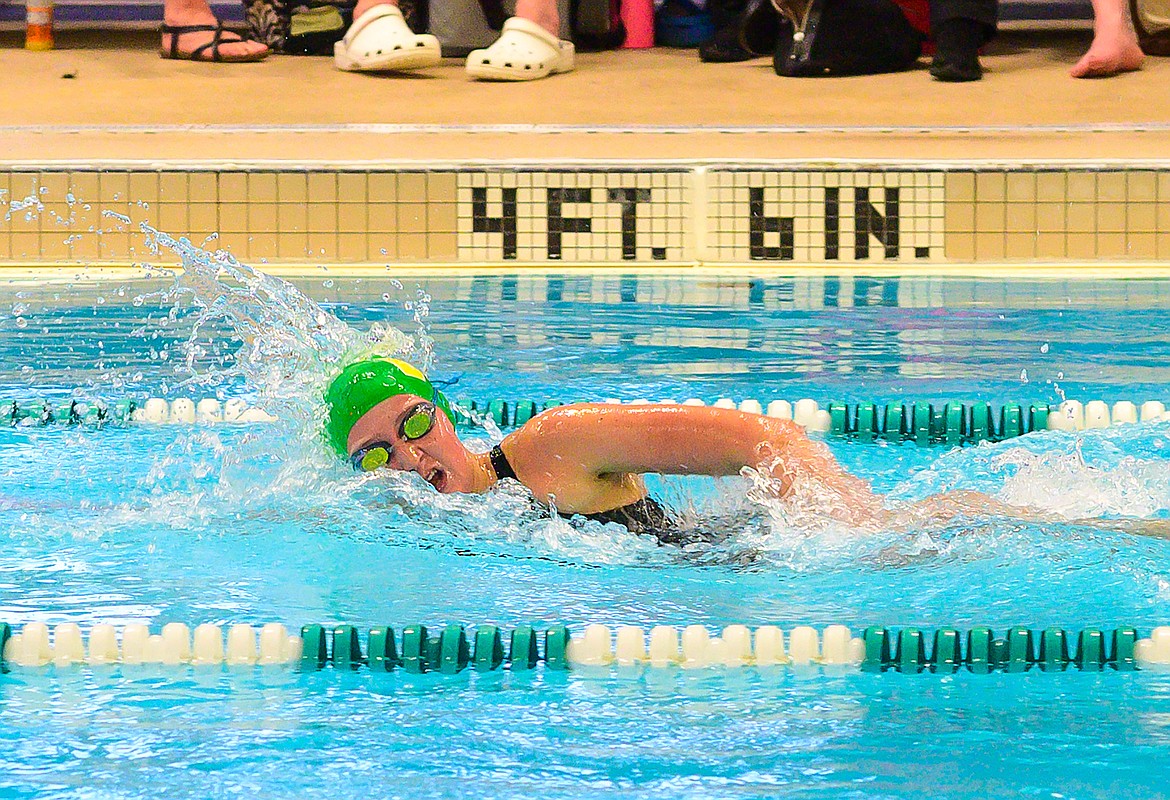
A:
(437, 478)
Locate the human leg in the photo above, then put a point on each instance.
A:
(543, 12)
(942, 508)
(959, 28)
(1115, 46)
(365, 5)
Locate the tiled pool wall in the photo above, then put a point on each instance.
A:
(679, 213)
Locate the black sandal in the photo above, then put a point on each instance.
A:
(174, 53)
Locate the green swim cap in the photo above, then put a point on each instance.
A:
(364, 384)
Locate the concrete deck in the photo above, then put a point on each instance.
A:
(107, 96)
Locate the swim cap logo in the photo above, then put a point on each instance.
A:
(408, 369)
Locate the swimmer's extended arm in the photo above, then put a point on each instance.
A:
(603, 439)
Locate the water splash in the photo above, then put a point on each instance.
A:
(1123, 471)
(282, 349)
(1063, 481)
(32, 208)
(290, 345)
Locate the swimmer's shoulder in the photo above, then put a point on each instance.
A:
(567, 439)
(571, 416)
(555, 453)
(581, 417)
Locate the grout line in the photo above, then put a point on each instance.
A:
(64, 271)
(549, 129)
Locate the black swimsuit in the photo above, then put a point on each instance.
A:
(644, 516)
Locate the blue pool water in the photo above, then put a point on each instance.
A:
(254, 524)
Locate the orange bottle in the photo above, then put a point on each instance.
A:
(39, 33)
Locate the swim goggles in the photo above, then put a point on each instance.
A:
(418, 423)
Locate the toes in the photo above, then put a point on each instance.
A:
(1103, 64)
(1090, 66)
(228, 47)
(237, 49)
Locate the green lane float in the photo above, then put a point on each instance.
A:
(453, 649)
(951, 423)
(154, 410)
(1019, 650)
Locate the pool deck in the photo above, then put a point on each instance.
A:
(294, 164)
(108, 96)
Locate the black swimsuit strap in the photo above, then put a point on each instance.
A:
(500, 464)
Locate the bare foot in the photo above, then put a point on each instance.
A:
(1112, 52)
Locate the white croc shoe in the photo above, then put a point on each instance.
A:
(381, 41)
(524, 52)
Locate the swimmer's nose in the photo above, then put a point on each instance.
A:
(408, 456)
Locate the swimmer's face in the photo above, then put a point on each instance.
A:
(437, 455)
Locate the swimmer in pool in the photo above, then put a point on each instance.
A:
(588, 459)
(585, 459)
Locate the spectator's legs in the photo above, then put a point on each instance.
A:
(1115, 46)
(197, 12)
(542, 12)
(959, 28)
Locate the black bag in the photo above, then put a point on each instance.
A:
(846, 37)
(597, 25)
(745, 29)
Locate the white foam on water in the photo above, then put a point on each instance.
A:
(1123, 471)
